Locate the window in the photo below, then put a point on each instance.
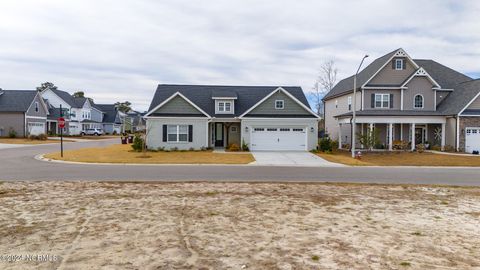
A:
(271, 129)
(258, 129)
(336, 103)
(398, 64)
(418, 102)
(297, 129)
(279, 104)
(177, 133)
(349, 101)
(233, 129)
(382, 100)
(284, 129)
(224, 107)
(36, 106)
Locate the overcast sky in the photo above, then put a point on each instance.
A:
(121, 50)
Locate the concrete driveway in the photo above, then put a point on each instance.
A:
(286, 158)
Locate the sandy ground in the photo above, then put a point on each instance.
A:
(238, 226)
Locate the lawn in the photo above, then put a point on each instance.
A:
(401, 159)
(121, 153)
(89, 225)
(26, 141)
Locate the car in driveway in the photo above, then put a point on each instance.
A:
(93, 131)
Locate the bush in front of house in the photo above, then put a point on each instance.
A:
(137, 144)
(420, 148)
(234, 147)
(40, 137)
(245, 146)
(12, 133)
(325, 144)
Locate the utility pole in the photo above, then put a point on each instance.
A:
(354, 120)
(61, 132)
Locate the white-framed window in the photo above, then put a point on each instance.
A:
(177, 133)
(399, 64)
(418, 102)
(258, 129)
(349, 101)
(224, 106)
(233, 129)
(382, 100)
(279, 104)
(36, 106)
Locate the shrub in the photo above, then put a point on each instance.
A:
(42, 137)
(334, 145)
(203, 148)
(420, 148)
(245, 146)
(174, 149)
(12, 133)
(436, 148)
(449, 148)
(325, 144)
(399, 145)
(161, 149)
(234, 147)
(191, 149)
(137, 143)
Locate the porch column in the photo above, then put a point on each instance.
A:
(390, 137)
(362, 134)
(413, 136)
(339, 136)
(401, 131)
(443, 137)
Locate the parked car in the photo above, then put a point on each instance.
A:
(93, 131)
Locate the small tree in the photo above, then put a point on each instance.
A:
(369, 139)
(124, 107)
(79, 94)
(326, 80)
(45, 86)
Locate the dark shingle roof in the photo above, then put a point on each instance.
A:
(443, 75)
(201, 95)
(462, 94)
(110, 111)
(66, 97)
(346, 85)
(16, 100)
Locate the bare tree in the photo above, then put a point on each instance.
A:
(326, 80)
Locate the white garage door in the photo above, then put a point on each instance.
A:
(36, 128)
(278, 139)
(472, 140)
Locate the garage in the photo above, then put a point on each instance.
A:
(278, 139)
(35, 128)
(472, 140)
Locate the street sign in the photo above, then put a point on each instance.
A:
(61, 122)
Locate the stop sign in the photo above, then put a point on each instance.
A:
(61, 122)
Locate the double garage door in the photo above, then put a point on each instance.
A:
(472, 140)
(278, 139)
(36, 128)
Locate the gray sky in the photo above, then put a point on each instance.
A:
(120, 50)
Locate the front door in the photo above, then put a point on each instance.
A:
(219, 134)
(419, 135)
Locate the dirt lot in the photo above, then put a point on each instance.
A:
(239, 226)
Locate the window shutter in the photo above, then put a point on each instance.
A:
(393, 63)
(164, 137)
(190, 133)
(391, 100)
(404, 64)
(372, 104)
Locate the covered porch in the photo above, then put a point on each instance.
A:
(395, 133)
(222, 133)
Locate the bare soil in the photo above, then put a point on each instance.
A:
(239, 226)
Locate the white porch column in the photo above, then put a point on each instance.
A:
(390, 137)
(413, 136)
(339, 136)
(362, 131)
(443, 136)
(401, 132)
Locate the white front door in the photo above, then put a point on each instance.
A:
(36, 128)
(278, 139)
(472, 139)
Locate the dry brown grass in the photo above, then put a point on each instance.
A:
(401, 159)
(119, 153)
(26, 141)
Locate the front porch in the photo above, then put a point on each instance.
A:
(395, 133)
(221, 134)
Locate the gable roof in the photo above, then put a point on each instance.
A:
(110, 112)
(201, 95)
(16, 100)
(66, 97)
(457, 100)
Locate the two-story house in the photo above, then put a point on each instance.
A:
(260, 117)
(417, 101)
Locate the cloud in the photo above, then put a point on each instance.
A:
(120, 50)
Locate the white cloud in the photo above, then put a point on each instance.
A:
(120, 50)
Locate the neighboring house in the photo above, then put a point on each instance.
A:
(22, 111)
(261, 117)
(138, 122)
(52, 119)
(412, 100)
(82, 111)
(112, 122)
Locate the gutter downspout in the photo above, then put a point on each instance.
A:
(457, 133)
(351, 132)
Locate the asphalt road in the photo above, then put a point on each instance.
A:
(20, 164)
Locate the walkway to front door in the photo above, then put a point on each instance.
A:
(300, 159)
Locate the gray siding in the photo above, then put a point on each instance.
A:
(397, 99)
(391, 76)
(155, 133)
(13, 121)
(331, 110)
(290, 106)
(41, 109)
(422, 86)
(178, 105)
(441, 95)
(96, 115)
(475, 105)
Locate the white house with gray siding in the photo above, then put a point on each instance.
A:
(263, 118)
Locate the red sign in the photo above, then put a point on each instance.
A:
(61, 122)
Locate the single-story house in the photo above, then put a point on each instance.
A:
(269, 118)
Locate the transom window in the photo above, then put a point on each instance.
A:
(36, 106)
(279, 104)
(233, 129)
(177, 133)
(398, 64)
(418, 102)
(382, 100)
(349, 101)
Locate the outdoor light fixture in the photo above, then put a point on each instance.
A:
(246, 129)
(312, 129)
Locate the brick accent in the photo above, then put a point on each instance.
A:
(470, 121)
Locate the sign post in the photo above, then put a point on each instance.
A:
(61, 125)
